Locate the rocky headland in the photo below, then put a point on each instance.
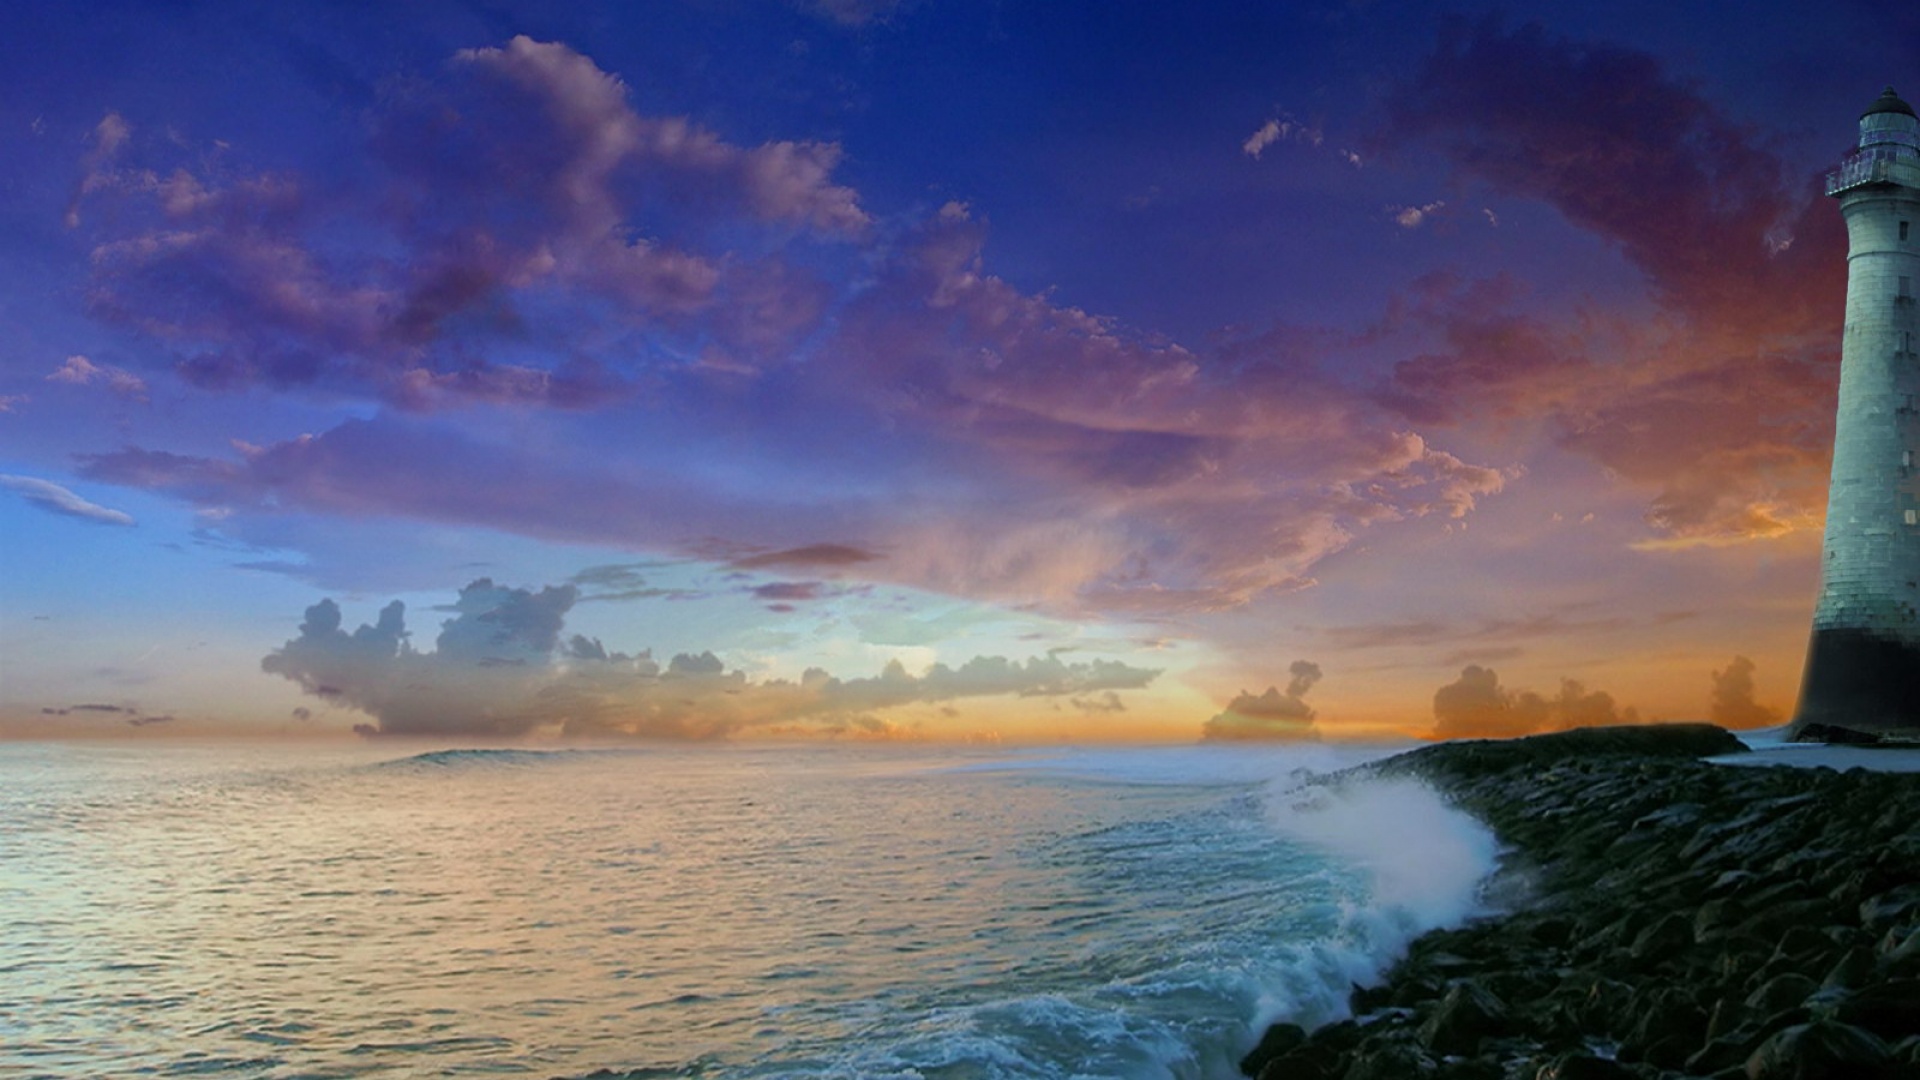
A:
(1655, 916)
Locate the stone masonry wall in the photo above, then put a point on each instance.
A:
(1870, 573)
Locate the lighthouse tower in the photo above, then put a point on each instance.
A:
(1863, 665)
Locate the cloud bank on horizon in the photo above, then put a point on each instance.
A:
(500, 668)
(1570, 325)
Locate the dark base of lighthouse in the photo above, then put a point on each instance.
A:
(1858, 683)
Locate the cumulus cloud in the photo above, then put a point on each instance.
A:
(1733, 705)
(1476, 706)
(1270, 716)
(500, 668)
(55, 499)
(80, 371)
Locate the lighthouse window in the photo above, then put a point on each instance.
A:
(1906, 458)
(1903, 230)
(1913, 517)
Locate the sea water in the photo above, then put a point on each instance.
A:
(808, 911)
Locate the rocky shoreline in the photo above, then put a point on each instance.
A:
(1662, 917)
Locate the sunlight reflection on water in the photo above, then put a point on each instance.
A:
(281, 911)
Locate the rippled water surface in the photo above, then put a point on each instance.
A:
(282, 911)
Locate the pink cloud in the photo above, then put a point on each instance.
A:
(1722, 408)
(79, 371)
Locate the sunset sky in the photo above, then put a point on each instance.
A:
(938, 369)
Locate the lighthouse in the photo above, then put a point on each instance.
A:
(1863, 664)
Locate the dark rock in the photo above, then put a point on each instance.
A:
(1725, 1016)
(1690, 914)
(1907, 1051)
(1667, 1027)
(1890, 1010)
(1338, 1037)
(1672, 934)
(1583, 1067)
(1392, 1061)
(1467, 1014)
(1781, 992)
(1279, 1040)
(1362, 1000)
(1304, 1064)
(1717, 917)
(1552, 932)
(1800, 943)
(1892, 907)
(1834, 734)
(1822, 1050)
(1854, 968)
(1900, 951)
(1728, 1051)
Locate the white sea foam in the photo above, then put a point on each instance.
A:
(1424, 861)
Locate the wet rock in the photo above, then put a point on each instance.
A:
(1835, 735)
(1890, 1009)
(1781, 992)
(1392, 1061)
(1279, 1040)
(1822, 1050)
(1854, 968)
(1467, 1014)
(1303, 1065)
(1671, 935)
(1702, 920)
(1892, 907)
(1583, 1067)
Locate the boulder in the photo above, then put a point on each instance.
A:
(1391, 1061)
(1583, 1067)
(1889, 1009)
(1279, 1040)
(1822, 1050)
(1667, 937)
(1467, 1014)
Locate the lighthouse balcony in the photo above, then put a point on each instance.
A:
(1873, 165)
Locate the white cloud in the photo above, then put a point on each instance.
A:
(1412, 217)
(1278, 129)
(58, 500)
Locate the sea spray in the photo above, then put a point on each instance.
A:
(1424, 860)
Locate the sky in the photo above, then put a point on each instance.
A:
(927, 369)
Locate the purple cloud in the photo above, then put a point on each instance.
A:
(500, 257)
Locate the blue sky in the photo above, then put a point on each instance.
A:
(1149, 353)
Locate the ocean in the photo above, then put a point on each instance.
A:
(861, 911)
